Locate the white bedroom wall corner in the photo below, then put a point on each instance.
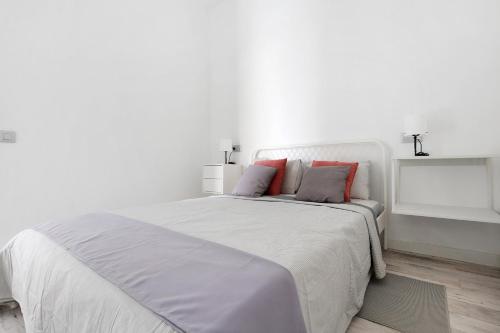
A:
(222, 77)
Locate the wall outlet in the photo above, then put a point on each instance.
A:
(7, 136)
(236, 148)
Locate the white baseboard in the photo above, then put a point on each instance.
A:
(476, 257)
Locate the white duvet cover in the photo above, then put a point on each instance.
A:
(326, 250)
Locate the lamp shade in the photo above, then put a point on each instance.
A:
(225, 145)
(415, 125)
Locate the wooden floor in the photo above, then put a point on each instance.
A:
(473, 294)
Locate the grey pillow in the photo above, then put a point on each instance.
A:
(293, 176)
(254, 181)
(323, 184)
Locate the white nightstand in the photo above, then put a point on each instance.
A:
(220, 178)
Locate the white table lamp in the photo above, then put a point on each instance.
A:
(225, 145)
(416, 125)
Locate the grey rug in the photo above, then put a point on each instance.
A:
(406, 305)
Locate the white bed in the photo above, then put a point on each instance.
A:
(326, 250)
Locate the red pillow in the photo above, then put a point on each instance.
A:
(350, 177)
(280, 165)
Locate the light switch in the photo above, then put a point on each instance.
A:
(7, 136)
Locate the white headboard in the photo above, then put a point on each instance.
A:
(372, 150)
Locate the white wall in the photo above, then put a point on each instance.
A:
(329, 70)
(109, 100)
(223, 84)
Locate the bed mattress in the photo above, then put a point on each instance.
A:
(329, 253)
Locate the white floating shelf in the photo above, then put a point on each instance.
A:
(486, 215)
(443, 157)
(460, 187)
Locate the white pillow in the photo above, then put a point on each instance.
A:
(293, 177)
(361, 185)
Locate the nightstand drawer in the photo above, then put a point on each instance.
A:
(220, 178)
(213, 171)
(212, 185)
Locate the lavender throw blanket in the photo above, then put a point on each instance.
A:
(195, 285)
